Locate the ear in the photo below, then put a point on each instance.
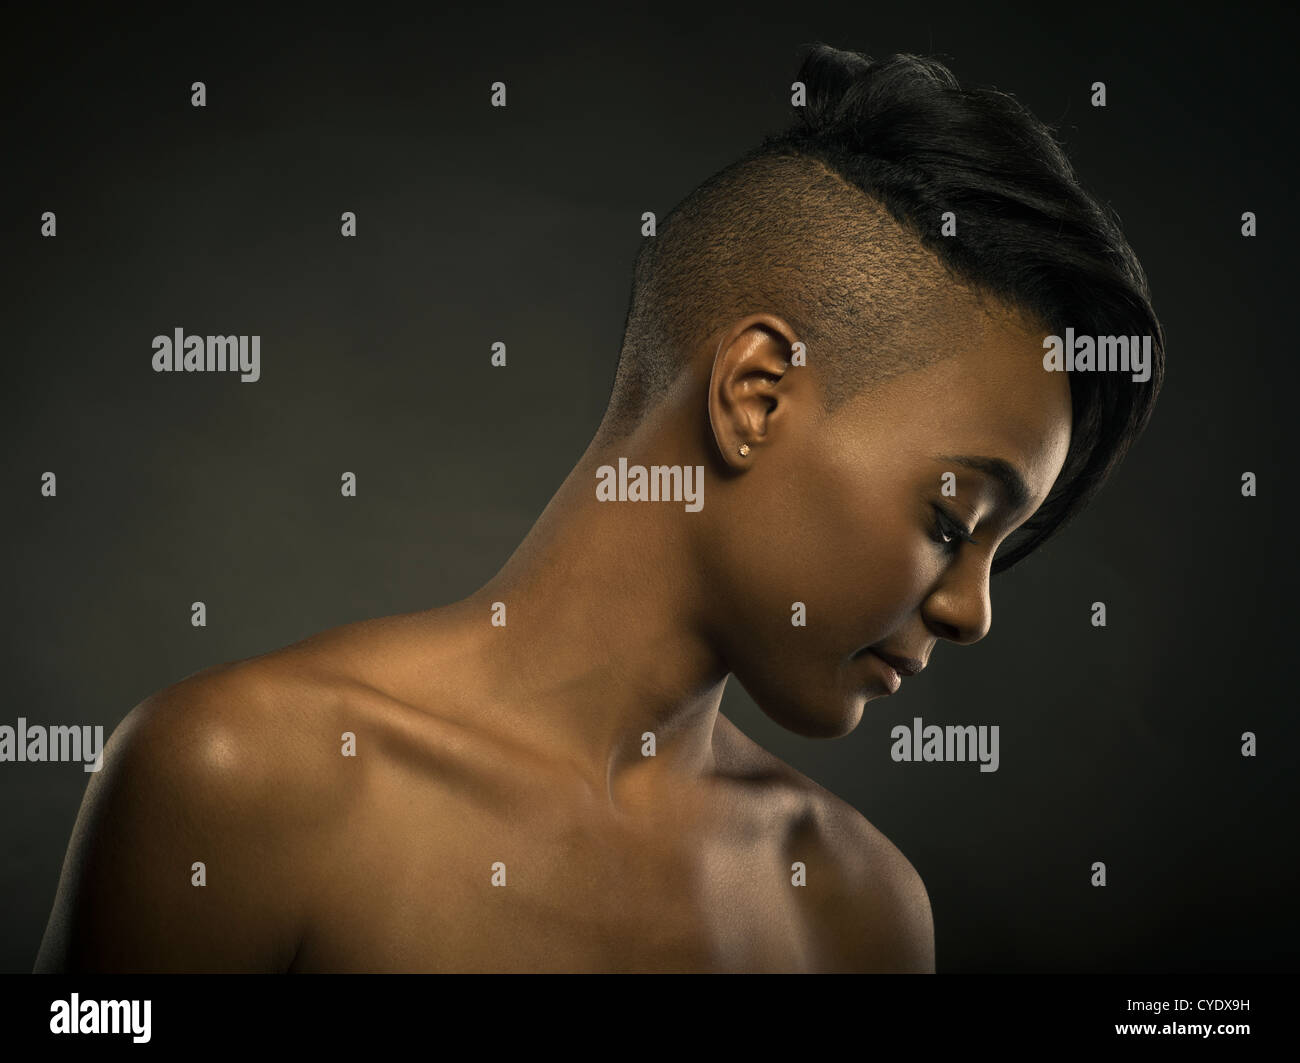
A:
(745, 396)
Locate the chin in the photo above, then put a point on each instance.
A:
(825, 714)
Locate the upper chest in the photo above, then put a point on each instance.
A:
(423, 879)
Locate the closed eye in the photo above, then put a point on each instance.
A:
(949, 532)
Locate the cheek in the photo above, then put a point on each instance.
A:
(885, 555)
(854, 553)
(852, 547)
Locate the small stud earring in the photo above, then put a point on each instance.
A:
(744, 450)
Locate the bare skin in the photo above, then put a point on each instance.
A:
(523, 745)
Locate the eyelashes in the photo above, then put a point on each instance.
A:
(947, 531)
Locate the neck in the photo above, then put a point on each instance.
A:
(606, 636)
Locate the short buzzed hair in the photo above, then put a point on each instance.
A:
(835, 225)
(787, 235)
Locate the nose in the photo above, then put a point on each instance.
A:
(959, 608)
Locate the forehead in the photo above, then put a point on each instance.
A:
(995, 382)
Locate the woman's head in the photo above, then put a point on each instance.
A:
(874, 524)
(862, 301)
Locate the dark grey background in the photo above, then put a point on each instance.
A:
(479, 224)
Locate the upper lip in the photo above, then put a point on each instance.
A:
(904, 666)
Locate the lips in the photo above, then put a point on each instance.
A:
(888, 673)
(904, 666)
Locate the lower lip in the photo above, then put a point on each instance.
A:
(885, 670)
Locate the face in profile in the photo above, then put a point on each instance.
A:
(846, 513)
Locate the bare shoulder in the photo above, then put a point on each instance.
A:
(271, 733)
(878, 915)
(867, 905)
(188, 850)
(257, 734)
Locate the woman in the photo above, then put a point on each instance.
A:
(832, 420)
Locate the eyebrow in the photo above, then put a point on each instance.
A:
(1015, 492)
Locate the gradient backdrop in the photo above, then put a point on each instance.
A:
(478, 224)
